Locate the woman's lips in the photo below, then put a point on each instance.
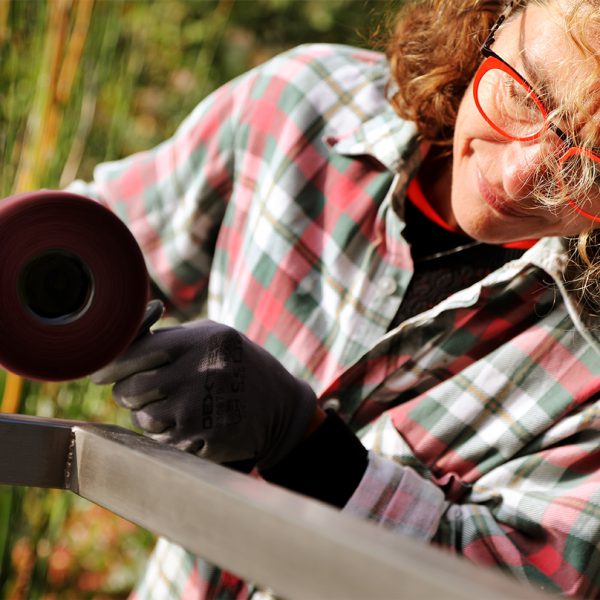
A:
(498, 202)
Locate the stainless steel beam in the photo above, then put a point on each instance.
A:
(34, 451)
(296, 546)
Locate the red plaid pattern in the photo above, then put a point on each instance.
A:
(273, 203)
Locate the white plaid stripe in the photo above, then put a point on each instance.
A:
(414, 507)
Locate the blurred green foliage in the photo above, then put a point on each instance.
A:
(83, 81)
(146, 64)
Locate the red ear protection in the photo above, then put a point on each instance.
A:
(73, 285)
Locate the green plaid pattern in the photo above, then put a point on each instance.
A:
(273, 202)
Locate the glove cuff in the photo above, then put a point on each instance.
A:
(291, 429)
(328, 465)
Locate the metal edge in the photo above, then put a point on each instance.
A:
(297, 546)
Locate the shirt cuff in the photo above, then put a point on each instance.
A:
(328, 465)
(398, 498)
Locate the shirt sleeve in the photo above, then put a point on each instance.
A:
(396, 497)
(536, 517)
(173, 198)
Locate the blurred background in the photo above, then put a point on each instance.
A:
(83, 81)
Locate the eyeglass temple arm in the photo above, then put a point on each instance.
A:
(510, 6)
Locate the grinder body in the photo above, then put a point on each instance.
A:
(73, 285)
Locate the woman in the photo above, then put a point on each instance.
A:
(402, 236)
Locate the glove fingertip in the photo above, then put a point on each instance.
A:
(100, 377)
(154, 311)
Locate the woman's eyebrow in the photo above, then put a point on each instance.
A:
(535, 74)
(540, 83)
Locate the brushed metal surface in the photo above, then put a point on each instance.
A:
(296, 546)
(34, 451)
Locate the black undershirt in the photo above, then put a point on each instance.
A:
(436, 278)
(330, 463)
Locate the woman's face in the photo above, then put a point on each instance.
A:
(493, 176)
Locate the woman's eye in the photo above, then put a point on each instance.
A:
(510, 87)
(520, 98)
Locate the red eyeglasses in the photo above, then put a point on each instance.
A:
(512, 107)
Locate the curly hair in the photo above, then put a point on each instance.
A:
(433, 52)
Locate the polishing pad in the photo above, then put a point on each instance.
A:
(73, 285)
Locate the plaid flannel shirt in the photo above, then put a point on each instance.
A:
(273, 201)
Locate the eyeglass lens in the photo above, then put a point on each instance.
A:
(510, 105)
(579, 177)
(513, 109)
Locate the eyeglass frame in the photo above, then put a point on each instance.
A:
(493, 61)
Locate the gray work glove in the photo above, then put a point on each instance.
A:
(209, 390)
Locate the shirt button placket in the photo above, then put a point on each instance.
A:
(387, 285)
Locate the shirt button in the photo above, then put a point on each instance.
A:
(332, 404)
(387, 286)
(307, 285)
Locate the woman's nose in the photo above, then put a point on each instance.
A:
(523, 167)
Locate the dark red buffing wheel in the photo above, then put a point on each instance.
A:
(73, 285)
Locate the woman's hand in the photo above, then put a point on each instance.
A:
(209, 390)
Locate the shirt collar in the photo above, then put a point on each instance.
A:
(386, 137)
(551, 255)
